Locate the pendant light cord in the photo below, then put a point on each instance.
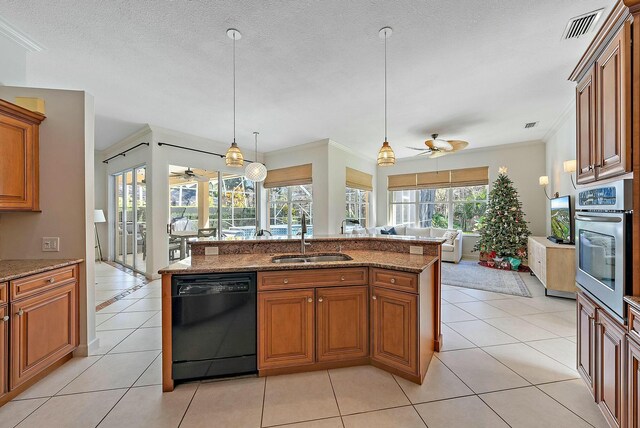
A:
(385, 85)
(234, 87)
(256, 151)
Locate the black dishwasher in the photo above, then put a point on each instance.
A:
(213, 325)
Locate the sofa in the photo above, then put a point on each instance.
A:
(450, 253)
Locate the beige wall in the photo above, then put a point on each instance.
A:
(560, 146)
(525, 162)
(66, 193)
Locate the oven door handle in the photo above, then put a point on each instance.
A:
(597, 219)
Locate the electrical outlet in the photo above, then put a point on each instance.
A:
(211, 251)
(51, 244)
(415, 249)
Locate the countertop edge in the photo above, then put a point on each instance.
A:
(55, 265)
(305, 266)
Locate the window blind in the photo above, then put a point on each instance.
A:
(290, 176)
(359, 180)
(438, 179)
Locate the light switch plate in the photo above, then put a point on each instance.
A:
(50, 243)
(415, 249)
(211, 251)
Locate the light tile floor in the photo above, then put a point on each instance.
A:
(507, 361)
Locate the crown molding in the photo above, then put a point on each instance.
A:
(17, 36)
(123, 144)
(560, 120)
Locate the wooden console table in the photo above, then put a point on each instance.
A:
(553, 264)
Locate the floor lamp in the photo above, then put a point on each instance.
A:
(98, 217)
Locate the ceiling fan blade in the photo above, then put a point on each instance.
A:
(458, 145)
(420, 149)
(200, 177)
(438, 154)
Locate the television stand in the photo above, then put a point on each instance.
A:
(553, 264)
(557, 240)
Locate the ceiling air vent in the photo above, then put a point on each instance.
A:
(530, 125)
(581, 25)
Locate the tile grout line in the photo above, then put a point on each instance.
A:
(409, 400)
(494, 410)
(554, 399)
(188, 405)
(264, 396)
(335, 397)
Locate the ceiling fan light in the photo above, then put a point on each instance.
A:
(234, 156)
(255, 172)
(386, 156)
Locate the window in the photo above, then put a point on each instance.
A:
(286, 205)
(357, 207)
(446, 208)
(183, 201)
(238, 205)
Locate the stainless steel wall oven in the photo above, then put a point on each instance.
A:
(603, 243)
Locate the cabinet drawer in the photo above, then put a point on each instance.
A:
(33, 284)
(634, 323)
(279, 280)
(395, 280)
(3, 292)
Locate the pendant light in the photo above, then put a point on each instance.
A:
(386, 157)
(234, 156)
(255, 170)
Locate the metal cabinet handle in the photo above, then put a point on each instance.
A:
(342, 278)
(52, 280)
(597, 323)
(310, 300)
(20, 312)
(286, 281)
(320, 300)
(5, 318)
(393, 280)
(374, 297)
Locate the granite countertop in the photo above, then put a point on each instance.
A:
(261, 262)
(12, 269)
(421, 239)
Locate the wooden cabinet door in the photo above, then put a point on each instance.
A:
(286, 329)
(613, 101)
(586, 340)
(609, 370)
(4, 347)
(586, 129)
(44, 328)
(633, 383)
(394, 325)
(19, 178)
(341, 323)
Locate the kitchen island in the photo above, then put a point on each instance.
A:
(378, 304)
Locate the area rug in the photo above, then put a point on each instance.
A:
(469, 274)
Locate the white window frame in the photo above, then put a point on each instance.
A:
(360, 203)
(289, 202)
(416, 205)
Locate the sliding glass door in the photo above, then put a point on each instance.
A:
(129, 228)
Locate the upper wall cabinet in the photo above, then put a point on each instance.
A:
(603, 102)
(19, 158)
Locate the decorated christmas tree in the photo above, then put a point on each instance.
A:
(503, 230)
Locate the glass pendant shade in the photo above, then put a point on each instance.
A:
(386, 156)
(255, 172)
(234, 156)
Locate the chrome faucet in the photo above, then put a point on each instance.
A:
(304, 230)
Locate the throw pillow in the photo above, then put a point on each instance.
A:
(450, 236)
(384, 232)
(392, 231)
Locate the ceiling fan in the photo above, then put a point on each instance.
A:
(437, 147)
(189, 175)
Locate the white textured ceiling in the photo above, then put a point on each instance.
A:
(476, 70)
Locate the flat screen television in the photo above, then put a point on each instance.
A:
(561, 220)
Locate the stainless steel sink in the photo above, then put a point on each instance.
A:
(312, 259)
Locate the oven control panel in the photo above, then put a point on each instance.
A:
(615, 196)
